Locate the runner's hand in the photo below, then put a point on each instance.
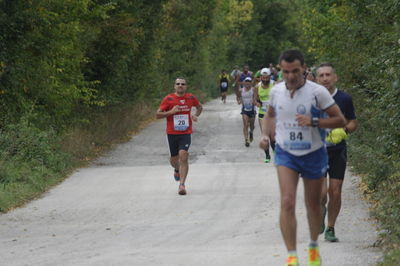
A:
(175, 109)
(264, 142)
(303, 120)
(195, 118)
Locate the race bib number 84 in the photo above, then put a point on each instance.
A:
(181, 122)
(297, 138)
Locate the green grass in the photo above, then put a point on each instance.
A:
(381, 180)
(34, 160)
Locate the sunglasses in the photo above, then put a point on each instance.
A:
(183, 84)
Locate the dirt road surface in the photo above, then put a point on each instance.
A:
(124, 209)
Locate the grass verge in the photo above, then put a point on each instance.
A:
(32, 160)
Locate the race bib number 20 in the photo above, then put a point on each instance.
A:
(181, 122)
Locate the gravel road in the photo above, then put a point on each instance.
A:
(124, 209)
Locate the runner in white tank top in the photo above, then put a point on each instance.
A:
(310, 100)
(246, 98)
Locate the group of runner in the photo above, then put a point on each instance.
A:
(252, 92)
(305, 122)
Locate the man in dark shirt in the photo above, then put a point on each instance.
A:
(337, 150)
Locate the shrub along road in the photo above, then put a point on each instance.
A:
(125, 210)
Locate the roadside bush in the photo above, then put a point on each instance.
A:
(30, 161)
(362, 39)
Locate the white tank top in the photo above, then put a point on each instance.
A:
(311, 100)
(247, 99)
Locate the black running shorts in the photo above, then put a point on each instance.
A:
(177, 142)
(337, 162)
(223, 89)
(250, 114)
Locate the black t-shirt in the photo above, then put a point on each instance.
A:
(345, 103)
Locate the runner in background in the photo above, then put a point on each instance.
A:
(235, 75)
(279, 75)
(176, 108)
(223, 84)
(257, 76)
(246, 98)
(310, 75)
(337, 150)
(261, 98)
(243, 75)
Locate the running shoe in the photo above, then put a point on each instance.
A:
(314, 258)
(322, 229)
(182, 190)
(330, 235)
(247, 143)
(292, 261)
(251, 136)
(176, 175)
(267, 158)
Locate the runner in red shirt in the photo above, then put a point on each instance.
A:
(176, 107)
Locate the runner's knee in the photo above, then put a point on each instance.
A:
(288, 203)
(183, 156)
(335, 193)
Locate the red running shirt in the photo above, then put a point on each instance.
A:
(181, 122)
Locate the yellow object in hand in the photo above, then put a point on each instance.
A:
(336, 136)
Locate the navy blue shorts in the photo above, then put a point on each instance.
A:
(337, 163)
(312, 166)
(250, 114)
(177, 142)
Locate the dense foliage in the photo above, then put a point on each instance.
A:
(362, 39)
(76, 75)
(72, 70)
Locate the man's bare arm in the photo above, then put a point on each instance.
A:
(162, 114)
(335, 119)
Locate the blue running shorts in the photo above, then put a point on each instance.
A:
(312, 166)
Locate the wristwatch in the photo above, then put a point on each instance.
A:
(314, 121)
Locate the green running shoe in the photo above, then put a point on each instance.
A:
(314, 259)
(330, 235)
(267, 159)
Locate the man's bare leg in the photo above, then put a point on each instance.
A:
(335, 200)
(288, 180)
(183, 165)
(312, 197)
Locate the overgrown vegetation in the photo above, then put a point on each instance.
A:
(30, 161)
(71, 70)
(362, 38)
(77, 76)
